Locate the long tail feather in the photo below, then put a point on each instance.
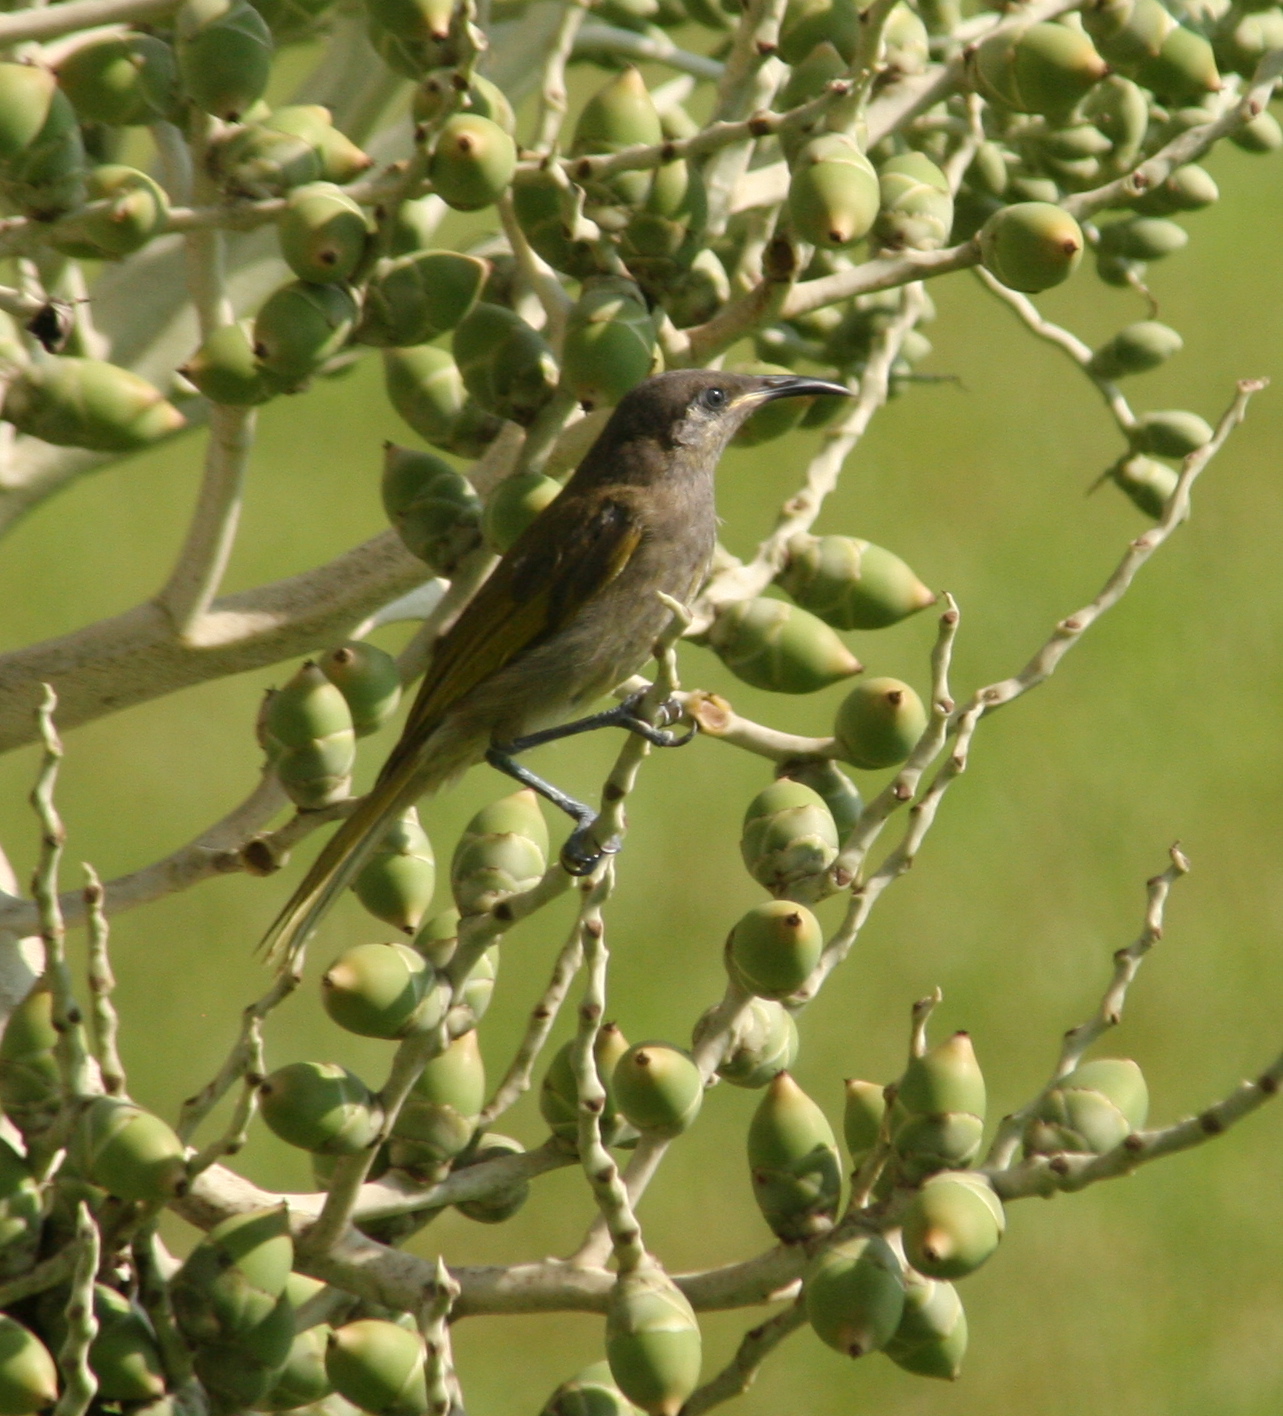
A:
(341, 858)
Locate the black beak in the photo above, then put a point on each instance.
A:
(798, 386)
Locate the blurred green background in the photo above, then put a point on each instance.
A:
(1161, 1294)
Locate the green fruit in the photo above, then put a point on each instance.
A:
(1135, 349)
(1148, 484)
(854, 1295)
(303, 1380)
(592, 1393)
(20, 1209)
(506, 365)
(988, 170)
(437, 96)
(610, 342)
(502, 1204)
(652, 1341)
(851, 584)
(1183, 68)
(1143, 238)
(788, 836)
(28, 1377)
(126, 81)
(662, 237)
(30, 1086)
(135, 210)
(931, 1339)
(917, 204)
(862, 1119)
(1042, 68)
(240, 1373)
(308, 736)
(619, 115)
(658, 1088)
(775, 947)
(26, 95)
(300, 327)
(1095, 1108)
(776, 646)
(539, 202)
(833, 193)
(412, 226)
(472, 163)
(905, 43)
(793, 1162)
(435, 510)
(425, 387)
(952, 1225)
(323, 233)
(503, 851)
(513, 505)
(559, 1091)
(764, 1045)
(1261, 134)
(1170, 433)
(293, 20)
(382, 990)
(224, 55)
(128, 1152)
(413, 298)
(938, 1118)
(1119, 109)
(225, 370)
(1031, 246)
(378, 1366)
(810, 76)
(838, 792)
(807, 23)
(321, 1107)
(771, 420)
(413, 20)
(89, 403)
(396, 882)
(47, 178)
(1127, 32)
(1188, 188)
(368, 679)
(340, 159)
(879, 723)
(233, 1279)
(259, 162)
(439, 1116)
(1241, 41)
(123, 1355)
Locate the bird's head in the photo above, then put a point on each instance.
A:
(700, 410)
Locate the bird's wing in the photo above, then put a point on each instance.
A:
(540, 585)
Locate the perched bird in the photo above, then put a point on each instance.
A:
(572, 609)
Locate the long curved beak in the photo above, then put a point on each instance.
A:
(775, 386)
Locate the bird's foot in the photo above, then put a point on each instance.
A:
(656, 733)
(583, 853)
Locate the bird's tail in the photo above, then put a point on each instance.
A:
(341, 858)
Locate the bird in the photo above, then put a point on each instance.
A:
(572, 609)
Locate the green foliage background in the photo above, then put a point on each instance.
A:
(1162, 1294)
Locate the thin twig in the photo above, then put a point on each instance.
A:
(741, 1371)
(104, 1025)
(79, 1384)
(442, 1383)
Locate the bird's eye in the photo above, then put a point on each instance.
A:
(713, 398)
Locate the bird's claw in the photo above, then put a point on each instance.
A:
(582, 852)
(655, 733)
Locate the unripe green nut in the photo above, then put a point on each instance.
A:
(513, 506)
(437, 940)
(952, 1225)
(339, 157)
(765, 1044)
(1143, 238)
(506, 365)
(931, 1339)
(619, 115)
(854, 1295)
(238, 1374)
(652, 1341)
(323, 233)
(1043, 68)
(777, 646)
(303, 1380)
(128, 1152)
(851, 584)
(378, 1366)
(47, 178)
(904, 42)
(136, 210)
(793, 1162)
(224, 52)
(773, 419)
(1170, 433)
(807, 23)
(20, 1211)
(658, 1088)
(788, 836)
(413, 298)
(559, 1091)
(397, 881)
(123, 1355)
(1261, 134)
(129, 80)
(259, 162)
(472, 162)
(308, 737)
(1188, 188)
(879, 723)
(1183, 68)
(538, 202)
(610, 342)
(1135, 349)
(1031, 246)
(502, 851)
(89, 403)
(437, 95)
(301, 326)
(1147, 484)
(838, 792)
(369, 681)
(862, 1118)
(225, 370)
(28, 1376)
(434, 508)
(320, 1106)
(917, 204)
(439, 1116)
(833, 193)
(592, 1393)
(1094, 1108)
(810, 76)
(26, 94)
(233, 1279)
(382, 990)
(774, 948)
(938, 1118)
(425, 387)
(501, 1204)
(30, 1089)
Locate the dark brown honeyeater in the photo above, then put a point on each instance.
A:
(571, 610)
